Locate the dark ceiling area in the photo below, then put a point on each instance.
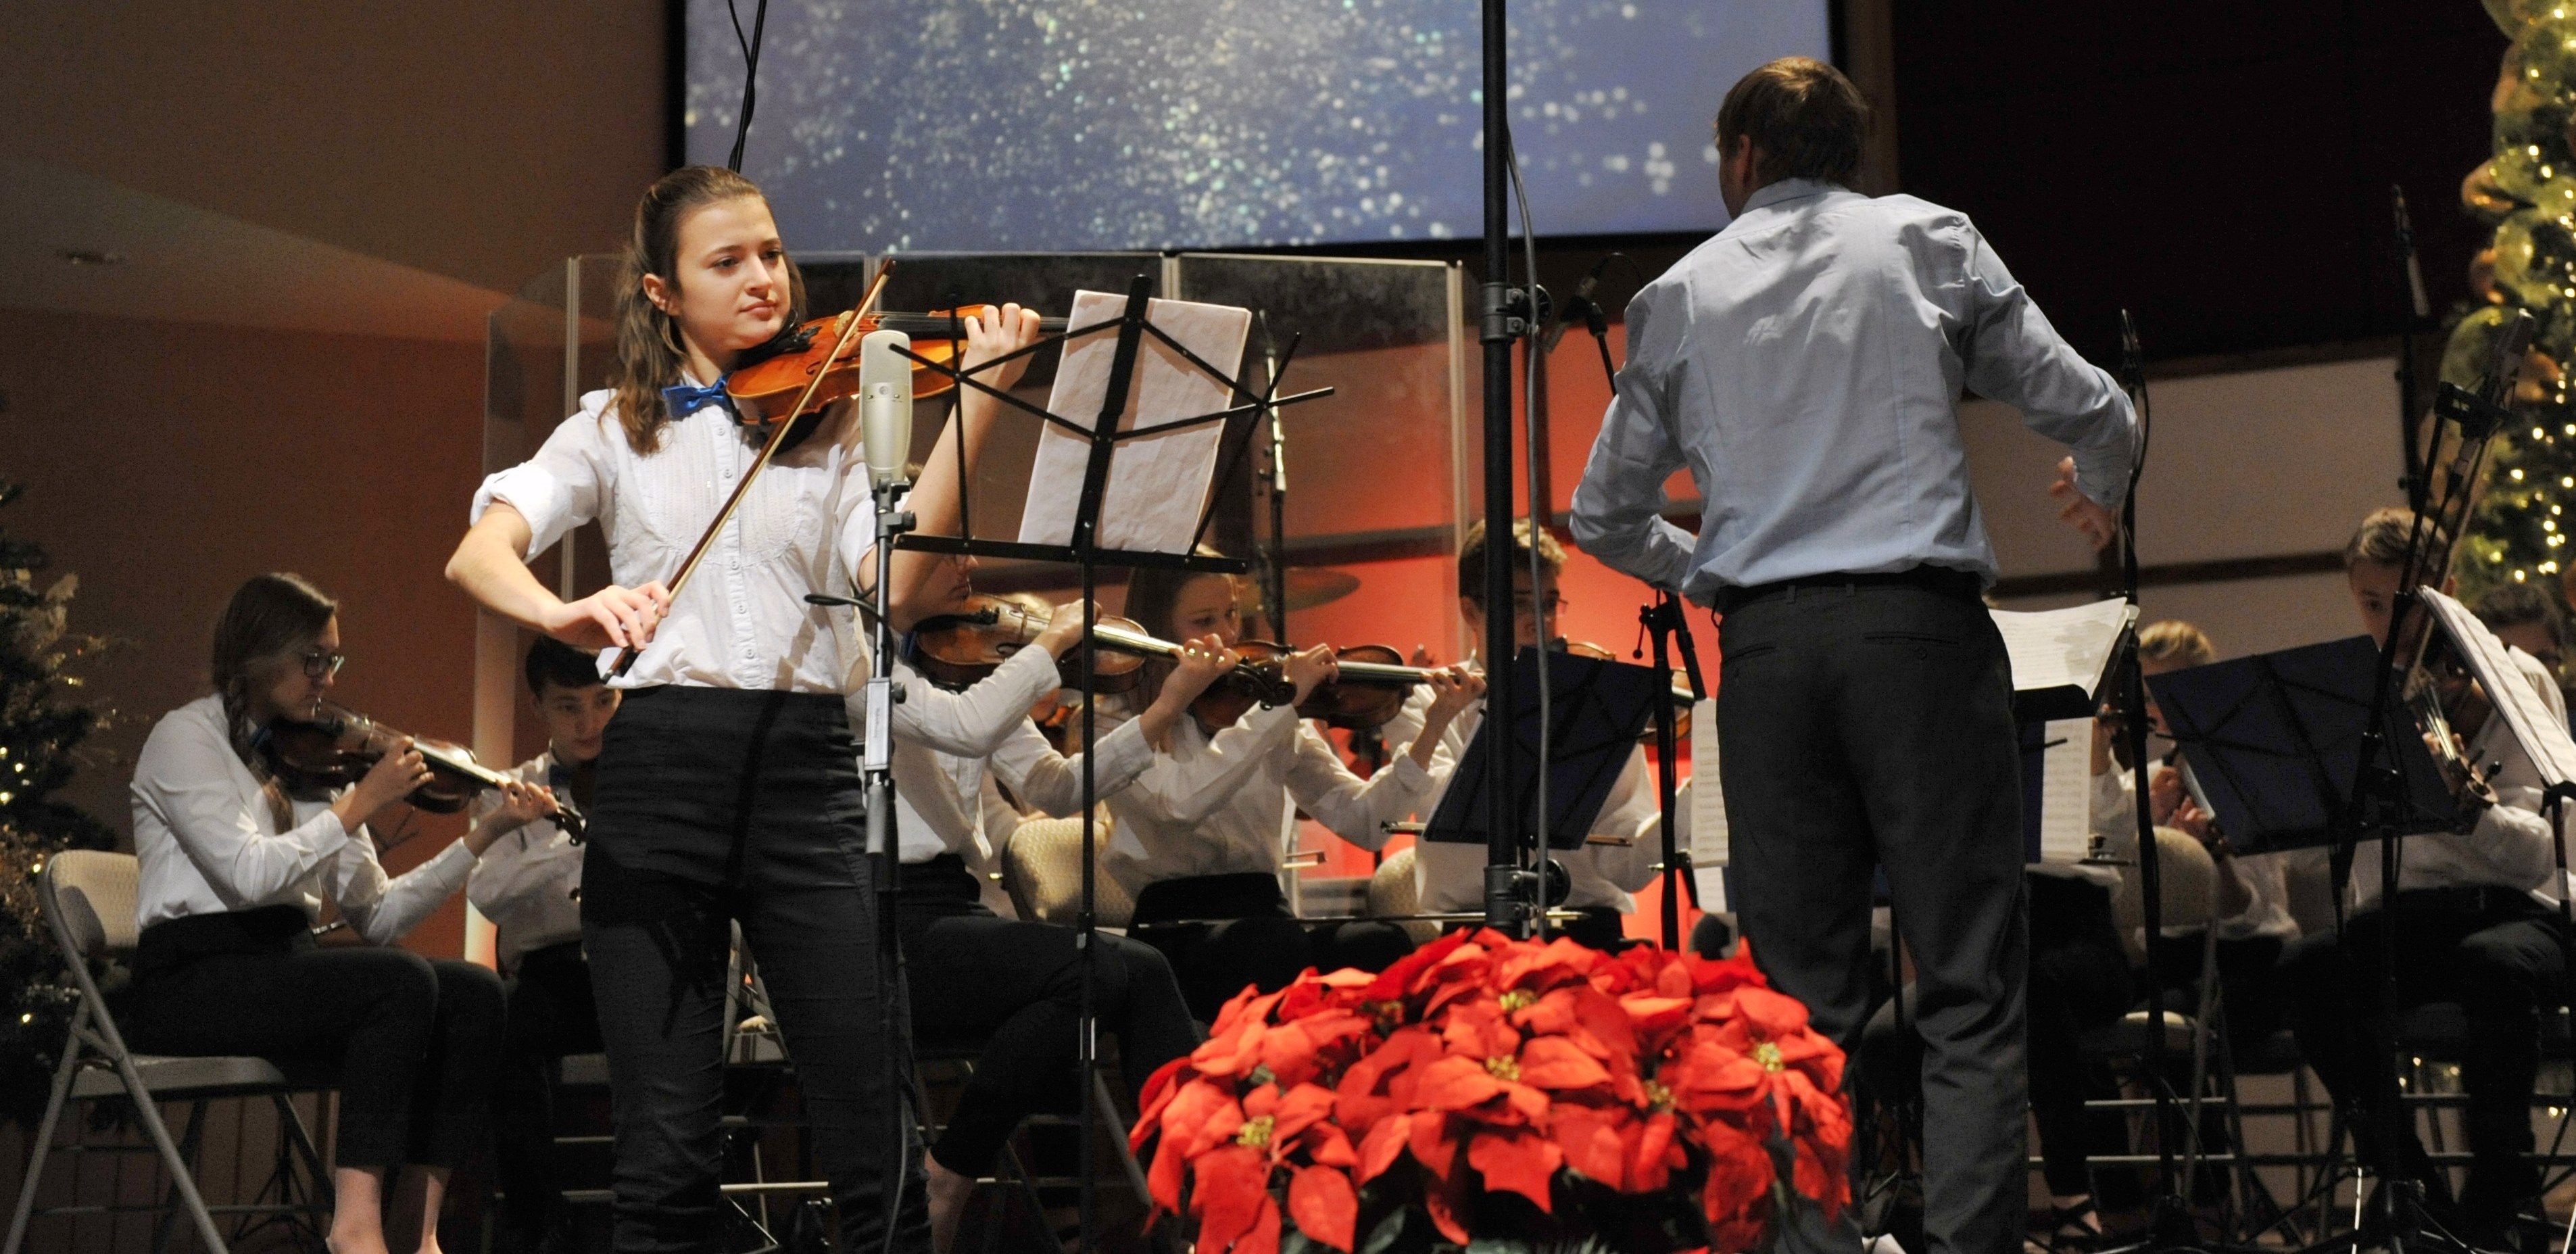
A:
(2223, 169)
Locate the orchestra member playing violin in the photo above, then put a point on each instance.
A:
(1600, 876)
(528, 883)
(1012, 990)
(235, 867)
(2480, 928)
(1199, 833)
(728, 785)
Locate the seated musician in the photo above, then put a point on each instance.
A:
(528, 883)
(1200, 833)
(1452, 875)
(2479, 927)
(2253, 910)
(1013, 987)
(2529, 619)
(234, 869)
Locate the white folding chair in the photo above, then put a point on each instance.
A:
(88, 900)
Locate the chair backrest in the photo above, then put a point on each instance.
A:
(1042, 872)
(90, 898)
(1395, 890)
(2190, 880)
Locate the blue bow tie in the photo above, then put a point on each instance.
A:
(683, 399)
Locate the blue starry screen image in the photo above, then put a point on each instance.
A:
(1029, 125)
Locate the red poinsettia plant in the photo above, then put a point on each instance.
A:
(1487, 1083)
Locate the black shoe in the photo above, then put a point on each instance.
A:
(2073, 1229)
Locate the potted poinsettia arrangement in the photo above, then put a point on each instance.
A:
(1490, 1090)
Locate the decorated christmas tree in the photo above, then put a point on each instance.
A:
(2518, 532)
(43, 725)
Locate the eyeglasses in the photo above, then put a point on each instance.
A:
(322, 663)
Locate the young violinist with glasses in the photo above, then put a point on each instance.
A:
(1200, 832)
(1010, 988)
(235, 866)
(728, 786)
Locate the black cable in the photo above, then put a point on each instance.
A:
(750, 76)
(1542, 512)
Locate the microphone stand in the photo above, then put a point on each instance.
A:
(1503, 317)
(1275, 588)
(884, 849)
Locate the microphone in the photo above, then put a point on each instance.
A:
(885, 406)
(1594, 317)
(2133, 359)
(2423, 305)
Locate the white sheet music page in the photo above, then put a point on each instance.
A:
(2066, 791)
(1157, 484)
(1707, 809)
(2068, 648)
(2543, 738)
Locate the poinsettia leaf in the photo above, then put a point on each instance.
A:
(1384, 1142)
(1229, 1187)
(1163, 1180)
(1328, 1146)
(1455, 1084)
(1516, 1160)
(1434, 1144)
(1590, 1138)
(1553, 1062)
(1325, 1207)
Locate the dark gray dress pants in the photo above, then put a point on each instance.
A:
(1871, 727)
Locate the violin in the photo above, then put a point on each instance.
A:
(338, 746)
(954, 650)
(1682, 698)
(1368, 690)
(827, 349)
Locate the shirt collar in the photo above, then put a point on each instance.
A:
(1785, 190)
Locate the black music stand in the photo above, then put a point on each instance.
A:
(1600, 707)
(2275, 741)
(1083, 551)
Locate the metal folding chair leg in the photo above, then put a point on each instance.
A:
(45, 1131)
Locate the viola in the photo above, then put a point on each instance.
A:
(954, 650)
(826, 349)
(338, 746)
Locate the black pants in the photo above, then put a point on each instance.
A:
(717, 806)
(552, 1013)
(412, 1041)
(2079, 982)
(1871, 727)
(1012, 991)
(1259, 943)
(2497, 953)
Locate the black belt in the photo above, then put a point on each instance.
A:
(1964, 585)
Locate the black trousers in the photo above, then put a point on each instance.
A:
(1012, 992)
(1869, 727)
(552, 1013)
(2494, 951)
(412, 1041)
(722, 806)
(1259, 943)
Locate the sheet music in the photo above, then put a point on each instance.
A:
(1707, 808)
(2068, 648)
(1158, 484)
(2066, 792)
(2542, 737)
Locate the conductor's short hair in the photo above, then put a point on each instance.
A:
(1805, 119)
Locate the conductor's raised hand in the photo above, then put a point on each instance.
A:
(2099, 524)
(613, 617)
(1309, 668)
(998, 333)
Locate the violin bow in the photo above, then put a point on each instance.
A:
(768, 450)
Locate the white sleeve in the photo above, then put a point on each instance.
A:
(1176, 792)
(520, 866)
(1618, 505)
(1355, 809)
(559, 488)
(1634, 803)
(973, 723)
(1041, 777)
(383, 910)
(185, 777)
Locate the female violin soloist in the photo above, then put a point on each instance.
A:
(727, 788)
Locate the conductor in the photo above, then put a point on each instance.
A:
(1805, 363)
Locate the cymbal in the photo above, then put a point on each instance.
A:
(1309, 587)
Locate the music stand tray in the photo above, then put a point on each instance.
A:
(1600, 708)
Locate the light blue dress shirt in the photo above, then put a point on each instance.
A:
(1806, 363)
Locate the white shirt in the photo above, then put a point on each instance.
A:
(1218, 805)
(2511, 846)
(945, 740)
(2263, 875)
(1451, 875)
(207, 843)
(742, 621)
(524, 883)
